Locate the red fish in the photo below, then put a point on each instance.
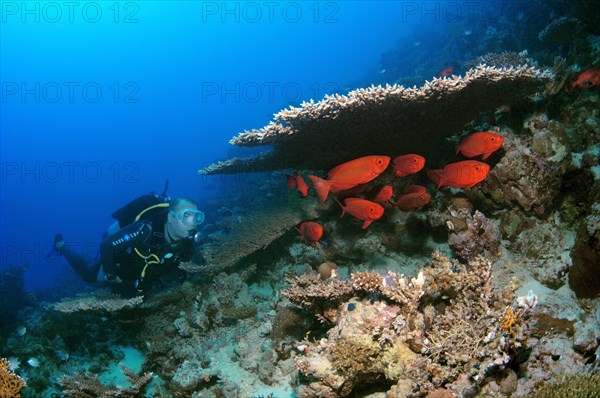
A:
(413, 201)
(414, 189)
(350, 174)
(585, 80)
(447, 72)
(408, 164)
(480, 143)
(381, 194)
(311, 231)
(363, 210)
(296, 181)
(463, 174)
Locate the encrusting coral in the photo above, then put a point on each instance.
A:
(381, 120)
(444, 329)
(10, 383)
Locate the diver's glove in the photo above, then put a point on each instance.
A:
(139, 285)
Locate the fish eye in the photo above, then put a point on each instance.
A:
(371, 209)
(477, 168)
(379, 161)
(493, 139)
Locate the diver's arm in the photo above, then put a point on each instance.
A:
(129, 236)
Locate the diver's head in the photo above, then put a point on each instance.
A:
(183, 218)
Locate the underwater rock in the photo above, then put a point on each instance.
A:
(584, 277)
(477, 237)
(524, 177)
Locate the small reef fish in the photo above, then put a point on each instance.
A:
(347, 193)
(381, 194)
(311, 231)
(447, 72)
(14, 363)
(21, 330)
(413, 188)
(363, 210)
(297, 182)
(33, 362)
(63, 356)
(413, 201)
(588, 79)
(350, 174)
(404, 165)
(480, 143)
(462, 174)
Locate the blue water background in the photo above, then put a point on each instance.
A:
(178, 79)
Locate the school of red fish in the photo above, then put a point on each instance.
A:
(349, 182)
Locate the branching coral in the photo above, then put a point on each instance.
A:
(448, 331)
(381, 120)
(88, 386)
(10, 383)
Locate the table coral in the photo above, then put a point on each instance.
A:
(381, 120)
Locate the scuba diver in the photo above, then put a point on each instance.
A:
(143, 248)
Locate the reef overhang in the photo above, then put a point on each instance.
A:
(380, 120)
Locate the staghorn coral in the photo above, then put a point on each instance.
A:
(99, 301)
(10, 383)
(381, 120)
(447, 335)
(87, 386)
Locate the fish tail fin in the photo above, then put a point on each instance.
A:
(436, 177)
(291, 181)
(342, 206)
(321, 187)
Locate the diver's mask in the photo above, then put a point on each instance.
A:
(190, 217)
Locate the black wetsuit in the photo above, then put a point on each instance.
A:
(138, 254)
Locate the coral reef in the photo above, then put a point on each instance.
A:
(505, 59)
(443, 329)
(11, 383)
(88, 386)
(572, 386)
(381, 120)
(584, 276)
(258, 226)
(101, 301)
(530, 172)
(561, 30)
